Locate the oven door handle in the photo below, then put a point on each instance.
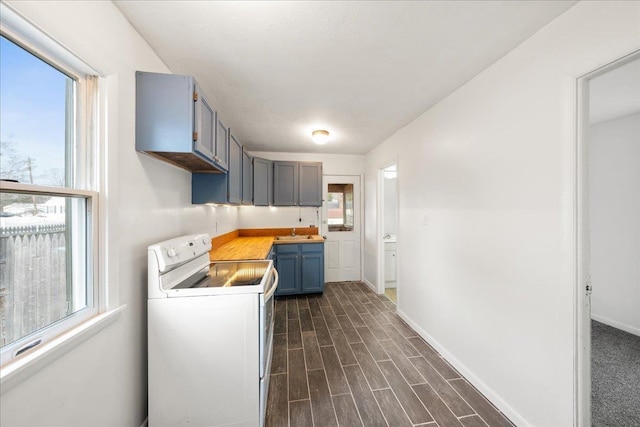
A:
(273, 288)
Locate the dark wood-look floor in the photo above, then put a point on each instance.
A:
(345, 358)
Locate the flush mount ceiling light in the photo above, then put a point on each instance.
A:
(320, 136)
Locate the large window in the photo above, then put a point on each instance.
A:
(48, 209)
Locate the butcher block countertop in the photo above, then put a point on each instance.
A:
(255, 243)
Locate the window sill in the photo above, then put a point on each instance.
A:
(17, 371)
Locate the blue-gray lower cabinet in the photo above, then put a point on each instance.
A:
(301, 268)
(288, 266)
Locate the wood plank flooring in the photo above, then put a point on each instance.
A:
(345, 358)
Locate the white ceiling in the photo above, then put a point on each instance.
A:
(362, 70)
(615, 93)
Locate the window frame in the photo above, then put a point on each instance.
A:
(49, 332)
(82, 181)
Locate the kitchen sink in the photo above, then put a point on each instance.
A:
(293, 237)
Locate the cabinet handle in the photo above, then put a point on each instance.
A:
(28, 346)
(195, 96)
(195, 136)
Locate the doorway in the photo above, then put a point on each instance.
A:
(609, 245)
(388, 231)
(341, 227)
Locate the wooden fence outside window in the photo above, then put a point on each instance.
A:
(34, 292)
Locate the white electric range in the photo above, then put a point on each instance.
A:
(210, 336)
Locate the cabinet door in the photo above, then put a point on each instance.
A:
(310, 184)
(222, 145)
(247, 179)
(204, 119)
(312, 273)
(164, 113)
(262, 181)
(270, 185)
(285, 183)
(288, 268)
(234, 175)
(172, 124)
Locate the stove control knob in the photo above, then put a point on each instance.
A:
(171, 252)
(204, 241)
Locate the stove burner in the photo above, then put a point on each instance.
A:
(225, 274)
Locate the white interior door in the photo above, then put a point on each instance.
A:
(341, 225)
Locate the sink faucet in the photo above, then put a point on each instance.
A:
(293, 232)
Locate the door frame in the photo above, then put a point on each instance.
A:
(380, 227)
(582, 294)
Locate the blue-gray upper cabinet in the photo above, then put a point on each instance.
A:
(218, 187)
(175, 123)
(310, 184)
(235, 171)
(222, 144)
(247, 179)
(262, 182)
(285, 183)
(297, 183)
(204, 123)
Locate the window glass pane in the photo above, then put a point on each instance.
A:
(335, 209)
(43, 266)
(36, 118)
(340, 207)
(348, 206)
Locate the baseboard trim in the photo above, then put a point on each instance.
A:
(145, 423)
(491, 395)
(370, 285)
(617, 325)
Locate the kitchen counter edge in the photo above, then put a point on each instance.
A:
(253, 248)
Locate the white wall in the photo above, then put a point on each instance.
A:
(103, 381)
(614, 215)
(490, 279)
(279, 217)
